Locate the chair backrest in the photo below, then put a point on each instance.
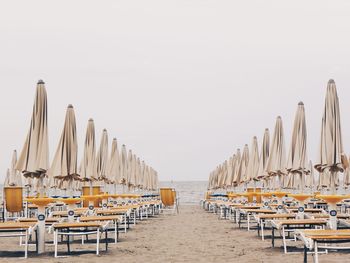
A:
(96, 190)
(13, 198)
(168, 196)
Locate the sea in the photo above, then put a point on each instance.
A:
(189, 192)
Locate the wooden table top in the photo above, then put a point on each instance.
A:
(16, 225)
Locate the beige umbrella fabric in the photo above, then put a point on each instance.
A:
(34, 158)
(64, 165)
(331, 145)
(130, 169)
(88, 163)
(310, 178)
(276, 165)
(124, 166)
(297, 158)
(138, 173)
(243, 165)
(13, 177)
(114, 164)
(235, 168)
(229, 177)
(253, 163)
(102, 158)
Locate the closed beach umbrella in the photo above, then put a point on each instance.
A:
(297, 163)
(138, 173)
(310, 179)
(235, 168)
(253, 163)
(114, 164)
(242, 169)
(64, 165)
(130, 169)
(7, 179)
(102, 158)
(34, 158)
(229, 177)
(331, 145)
(123, 166)
(264, 157)
(88, 163)
(142, 176)
(276, 165)
(13, 177)
(346, 180)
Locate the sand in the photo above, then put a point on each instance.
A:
(192, 236)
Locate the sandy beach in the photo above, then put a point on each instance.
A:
(191, 236)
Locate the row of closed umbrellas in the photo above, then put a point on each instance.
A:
(273, 169)
(109, 167)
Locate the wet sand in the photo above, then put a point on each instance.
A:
(191, 236)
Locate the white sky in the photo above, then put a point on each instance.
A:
(181, 83)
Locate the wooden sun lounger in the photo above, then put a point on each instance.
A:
(116, 219)
(77, 213)
(312, 238)
(17, 229)
(249, 212)
(308, 210)
(79, 229)
(263, 219)
(291, 225)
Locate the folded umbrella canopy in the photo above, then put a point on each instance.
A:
(123, 167)
(64, 165)
(310, 179)
(138, 173)
(242, 169)
(114, 165)
(264, 157)
(331, 144)
(34, 158)
(13, 177)
(253, 162)
(276, 165)
(102, 158)
(229, 176)
(235, 168)
(297, 162)
(130, 169)
(346, 180)
(88, 163)
(142, 176)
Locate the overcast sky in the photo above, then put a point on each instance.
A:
(182, 83)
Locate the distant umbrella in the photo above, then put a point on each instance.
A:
(229, 176)
(242, 170)
(276, 165)
(114, 164)
(34, 158)
(253, 162)
(264, 157)
(297, 157)
(235, 168)
(331, 145)
(102, 158)
(88, 163)
(13, 177)
(123, 166)
(310, 178)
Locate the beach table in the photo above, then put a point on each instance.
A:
(19, 229)
(290, 225)
(307, 210)
(116, 219)
(77, 213)
(248, 212)
(312, 239)
(263, 219)
(80, 229)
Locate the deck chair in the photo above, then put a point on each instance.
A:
(18, 229)
(169, 200)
